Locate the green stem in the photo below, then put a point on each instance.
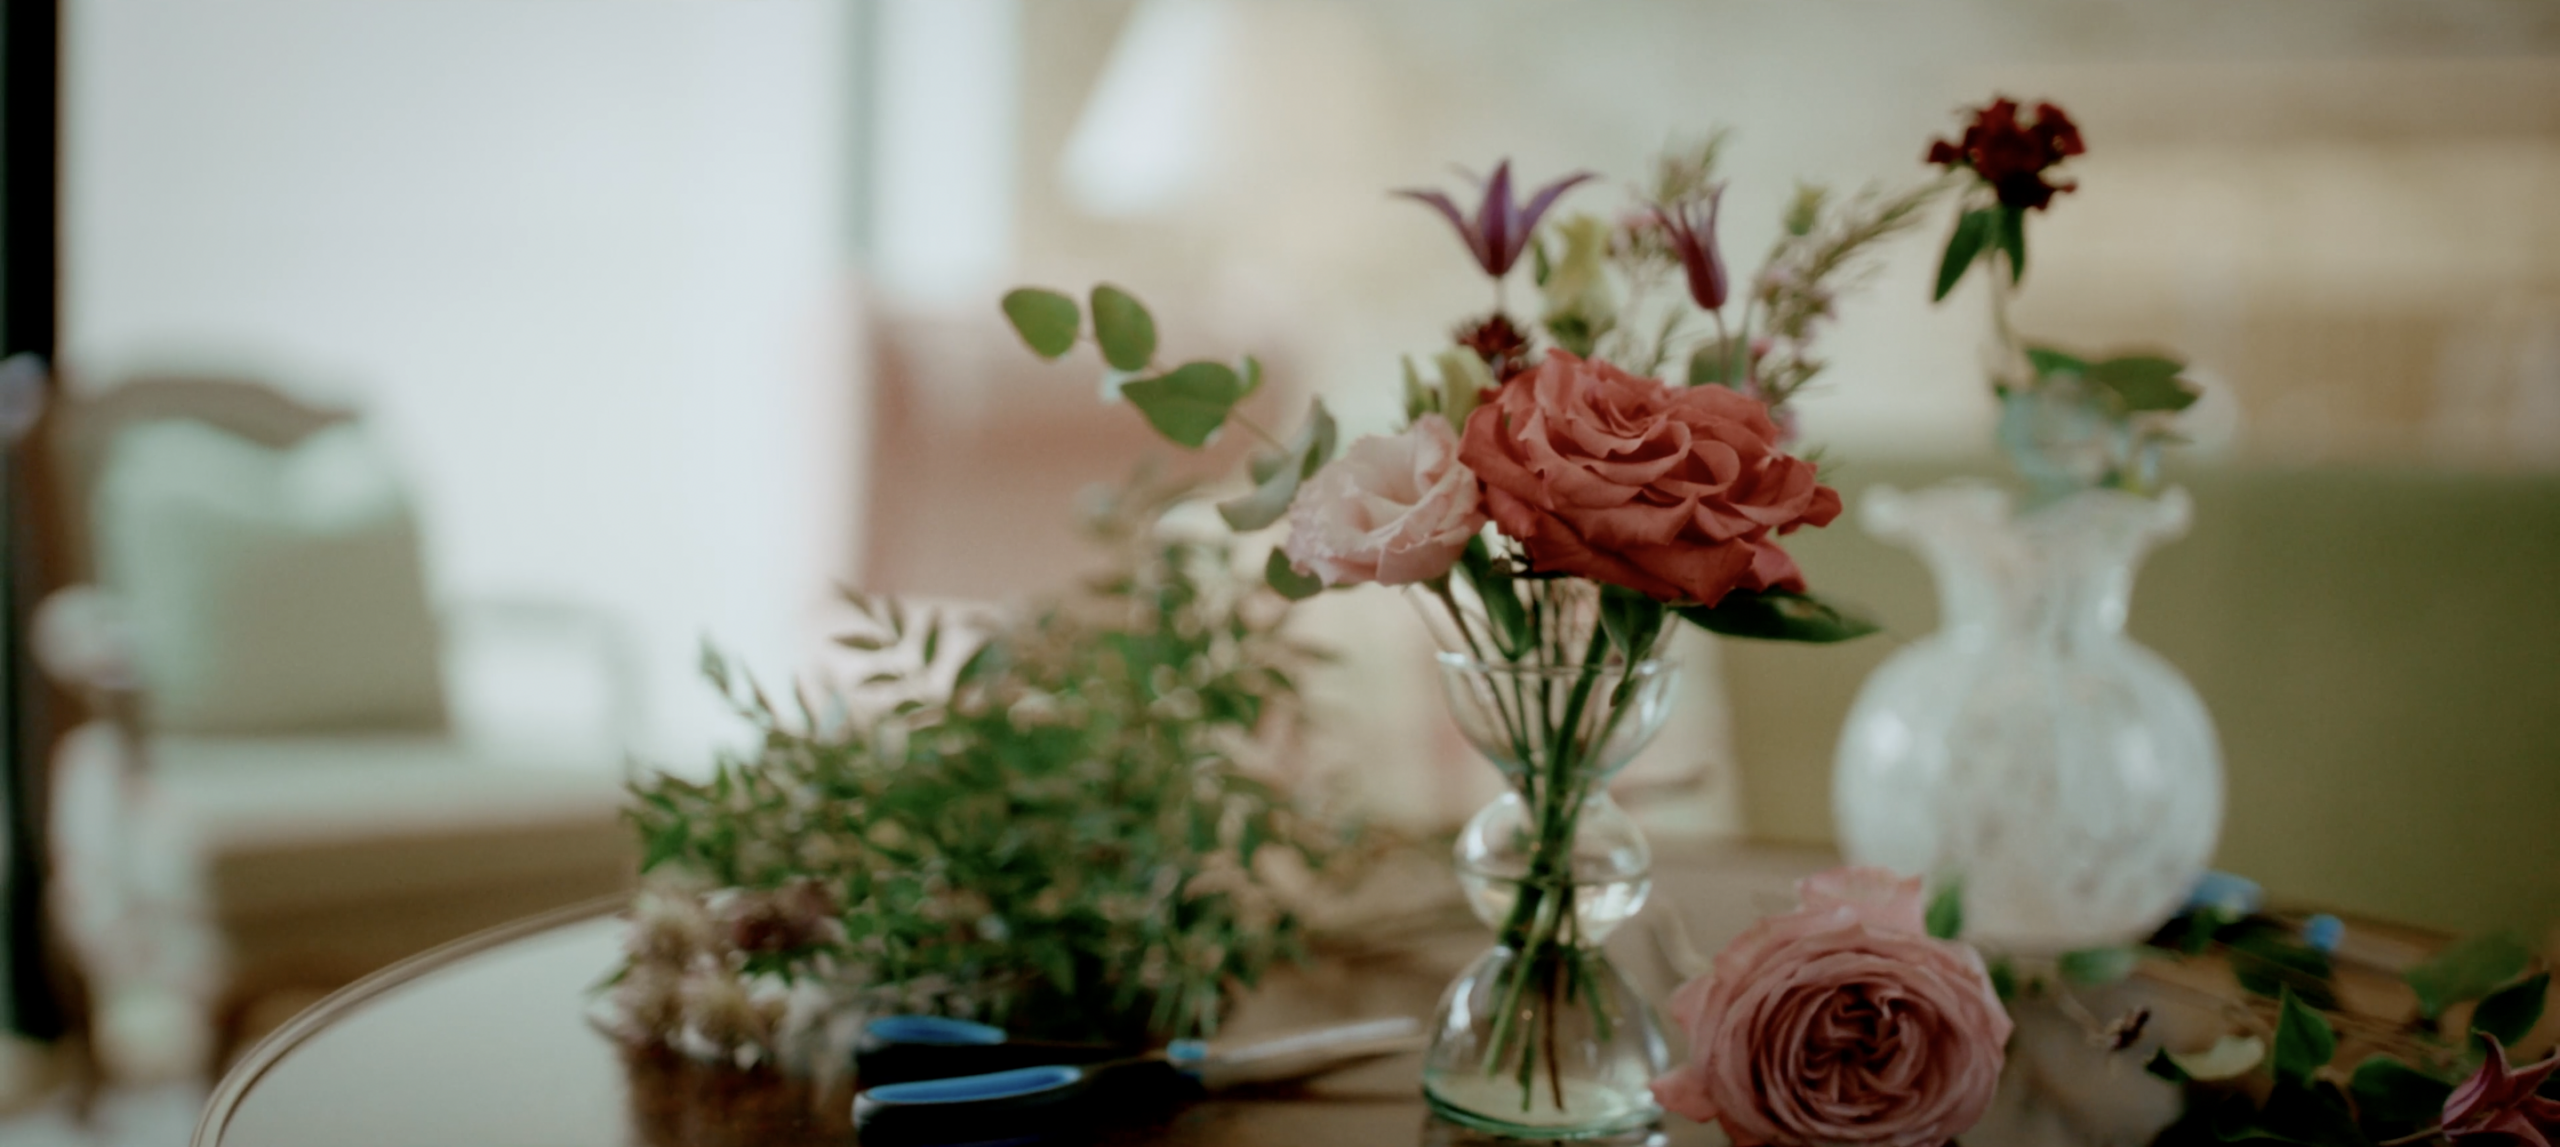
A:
(1542, 913)
(1725, 351)
(1511, 723)
(1255, 429)
(2011, 352)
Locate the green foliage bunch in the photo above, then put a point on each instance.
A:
(1073, 840)
(2305, 1069)
(2303, 1090)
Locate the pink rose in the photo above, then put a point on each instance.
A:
(1393, 510)
(1676, 492)
(1840, 1023)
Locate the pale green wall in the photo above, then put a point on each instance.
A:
(2380, 650)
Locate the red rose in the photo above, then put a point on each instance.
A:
(1674, 492)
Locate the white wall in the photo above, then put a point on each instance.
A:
(581, 261)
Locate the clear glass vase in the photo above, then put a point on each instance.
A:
(2068, 776)
(1542, 1037)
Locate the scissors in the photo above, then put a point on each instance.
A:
(1025, 1103)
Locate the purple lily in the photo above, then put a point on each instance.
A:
(1500, 230)
(1696, 243)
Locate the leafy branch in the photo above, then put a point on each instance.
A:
(1079, 838)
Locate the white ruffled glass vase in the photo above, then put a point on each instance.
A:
(2069, 777)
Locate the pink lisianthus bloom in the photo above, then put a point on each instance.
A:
(1393, 510)
(2502, 1103)
(1842, 1022)
(1678, 493)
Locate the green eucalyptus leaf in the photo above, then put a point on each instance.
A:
(1946, 911)
(1321, 435)
(2395, 1098)
(1124, 328)
(1189, 403)
(2304, 1041)
(2093, 967)
(1248, 376)
(1973, 230)
(1267, 463)
(1777, 615)
(1280, 474)
(1286, 579)
(2508, 1014)
(1264, 504)
(1046, 320)
(2013, 240)
(2467, 971)
(2054, 362)
(2145, 382)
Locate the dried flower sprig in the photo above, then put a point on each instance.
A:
(1669, 236)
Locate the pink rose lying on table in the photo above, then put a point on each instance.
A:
(1393, 510)
(1842, 1022)
(1678, 493)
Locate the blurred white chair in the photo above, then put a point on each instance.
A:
(299, 770)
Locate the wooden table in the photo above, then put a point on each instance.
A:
(487, 1041)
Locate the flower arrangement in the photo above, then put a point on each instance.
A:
(1562, 491)
(2069, 421)
(1068, 825)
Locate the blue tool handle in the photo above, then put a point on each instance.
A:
(1020, 1083)
(1020, 1105)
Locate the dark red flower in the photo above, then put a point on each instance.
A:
(1497, 341)
(2013, 155)
(1500, 230)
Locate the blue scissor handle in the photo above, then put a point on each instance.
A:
(1021, 1082)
